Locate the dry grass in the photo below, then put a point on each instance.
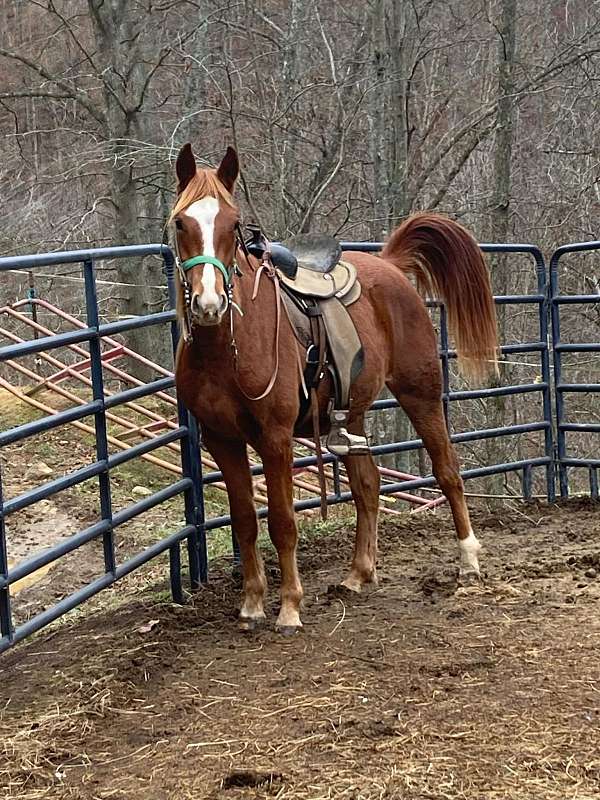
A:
(417, 690)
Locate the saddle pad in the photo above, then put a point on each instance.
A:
(336, 283)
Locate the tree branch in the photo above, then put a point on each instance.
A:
(74, 94)
(35, 93)
(149, 75)
(51, 9)
(520, 92)
(469, 146)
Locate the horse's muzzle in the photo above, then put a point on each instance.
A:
(208, 313)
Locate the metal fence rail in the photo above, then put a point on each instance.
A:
(562, 389)
(185, 433)
(546, 299)
(545, 424)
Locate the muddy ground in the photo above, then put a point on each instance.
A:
(417, 689)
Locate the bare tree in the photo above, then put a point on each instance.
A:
(348, 116)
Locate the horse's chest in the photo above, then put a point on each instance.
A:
(205, 397)
(211, 401)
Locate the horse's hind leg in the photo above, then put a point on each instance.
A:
(364, 483)
(232, 459)
(427, 416)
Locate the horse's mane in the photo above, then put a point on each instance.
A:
(204, 184)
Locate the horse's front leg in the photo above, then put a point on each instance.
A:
(277, 462)
(232, 459)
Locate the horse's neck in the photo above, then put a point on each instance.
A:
(255, 319)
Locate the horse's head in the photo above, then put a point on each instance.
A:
(206, 219)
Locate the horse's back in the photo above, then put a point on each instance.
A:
(393, 324)
(392, 297)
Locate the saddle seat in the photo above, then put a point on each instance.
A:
(313, 252)
(309, 265)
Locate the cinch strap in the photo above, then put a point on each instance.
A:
(193, 262)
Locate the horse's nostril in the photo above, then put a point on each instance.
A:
(223, 307)
(195, 305)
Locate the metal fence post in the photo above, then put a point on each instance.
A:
(526, 483)
(91, 303)
(594, 483)
(556, 300)
(544, 311)
(444, 346)
(196, 473)
(5, 613)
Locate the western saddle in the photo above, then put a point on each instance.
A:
(317, 289)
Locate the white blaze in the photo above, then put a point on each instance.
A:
(204, 212)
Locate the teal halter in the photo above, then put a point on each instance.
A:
(193, 262)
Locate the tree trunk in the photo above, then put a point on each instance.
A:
(392, 52)
(498, 449)
(377, 123)
(122, 68)
(286, 154)
(401, 43)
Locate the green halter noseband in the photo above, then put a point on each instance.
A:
(193, 262)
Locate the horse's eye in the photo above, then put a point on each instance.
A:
(178, 225)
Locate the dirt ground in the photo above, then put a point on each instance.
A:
(417, 689)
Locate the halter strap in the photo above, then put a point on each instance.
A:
(193, 262)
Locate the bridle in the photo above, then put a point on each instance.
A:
(228, 273)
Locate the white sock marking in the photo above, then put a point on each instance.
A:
(469, 550)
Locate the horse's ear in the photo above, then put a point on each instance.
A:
(185, 166)
(229, 169)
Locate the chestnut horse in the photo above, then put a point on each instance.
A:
(225, 296)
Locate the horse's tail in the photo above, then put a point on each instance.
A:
(448, 263)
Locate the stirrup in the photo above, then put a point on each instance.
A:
(339, 441)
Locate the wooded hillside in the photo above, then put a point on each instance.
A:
(347, 117)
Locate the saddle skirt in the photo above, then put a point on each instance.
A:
(316, 295)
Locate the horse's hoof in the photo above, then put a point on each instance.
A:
(342, 590)
(288, 630)
(470, 578)
(352, 585)
(248, 624)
